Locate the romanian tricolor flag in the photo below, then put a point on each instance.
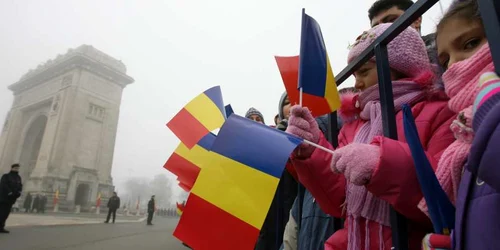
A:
(315, 72)
(56, 197)
(229, 202)
(186, 163)
(289, 70)
(98, 201)
(180, 208)
(199, 117)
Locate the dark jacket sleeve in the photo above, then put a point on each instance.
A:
(323, 124)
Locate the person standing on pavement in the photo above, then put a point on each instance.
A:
(151, 210)
(42, 204)
(10, 189)
(27, 203)
(113, 205)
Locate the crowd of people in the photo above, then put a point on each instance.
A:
(447, 80)
(37, 203)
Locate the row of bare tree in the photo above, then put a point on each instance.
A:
(142, 188)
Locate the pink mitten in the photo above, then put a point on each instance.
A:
(356, 161)
(303, 125)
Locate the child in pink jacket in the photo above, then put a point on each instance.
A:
(369, 173)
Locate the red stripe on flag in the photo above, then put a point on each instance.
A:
(186, 171)
(205, 226)
(289, 70)
(186, 187)
(187, 128)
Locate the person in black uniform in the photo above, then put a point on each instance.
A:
(36, 204)
(151, 210)
(113, 205)
(27, 203)
(10, 189)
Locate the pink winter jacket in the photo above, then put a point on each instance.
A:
(394, 180)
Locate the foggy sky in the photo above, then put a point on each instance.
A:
(175, 50)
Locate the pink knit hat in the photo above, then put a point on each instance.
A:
(407, 52)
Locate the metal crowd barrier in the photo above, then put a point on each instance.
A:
(490, 11)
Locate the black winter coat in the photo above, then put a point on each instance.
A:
(114, 202)
(10, 187)
(151, 206)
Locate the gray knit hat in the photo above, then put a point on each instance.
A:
(281, 104)
(253, 111)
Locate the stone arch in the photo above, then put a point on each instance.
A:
(31, 144)
(82, 194)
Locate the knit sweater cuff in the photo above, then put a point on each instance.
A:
(486, 98)
(484, 109)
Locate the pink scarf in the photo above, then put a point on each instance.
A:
(460, 82)
(360, 202)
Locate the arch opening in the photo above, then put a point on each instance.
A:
(31, 146)
(82, 194)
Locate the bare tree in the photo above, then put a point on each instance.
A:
(160, 186)
(143, 188)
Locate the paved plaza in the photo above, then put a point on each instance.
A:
(88, 232)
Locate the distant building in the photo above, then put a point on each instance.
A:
(62, 126)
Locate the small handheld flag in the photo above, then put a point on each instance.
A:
(289, 70)
(230, 199)
(315, 72)
(199, 117)
(186, 163)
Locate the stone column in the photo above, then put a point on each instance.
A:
(49, 135)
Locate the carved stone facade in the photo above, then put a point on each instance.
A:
(62, 126)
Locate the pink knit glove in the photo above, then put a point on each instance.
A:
(302, 124)
(356, 161)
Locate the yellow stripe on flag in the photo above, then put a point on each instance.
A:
(196, 155)
(206, 112)
(331, 92)
(242, 191)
